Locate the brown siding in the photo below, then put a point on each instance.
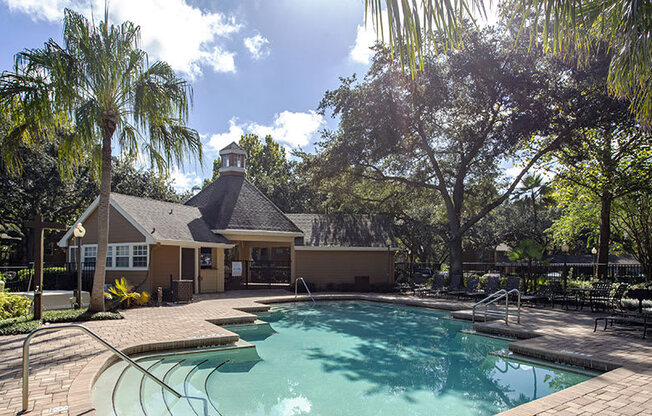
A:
(163, 262)
(120, 230)
(337, 267)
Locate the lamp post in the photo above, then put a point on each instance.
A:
(594, 251)
(79, 232)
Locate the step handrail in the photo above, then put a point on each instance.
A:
(495, 297)
(99, 339)
(296, 282)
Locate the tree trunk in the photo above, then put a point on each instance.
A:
(605, 235)
(455, 249)
(97, 293)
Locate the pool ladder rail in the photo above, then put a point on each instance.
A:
(99, 339)
(482, 308)
(296, 288)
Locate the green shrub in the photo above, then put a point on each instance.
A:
(25, 274)
(13, 306)
(22, 325)
(77, 315)
(26, 324)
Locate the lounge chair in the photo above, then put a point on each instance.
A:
(626, 319)
(490, 288)
(436, 288)
(455, 288)
(543, 294)
(513, 282)
(472, 288)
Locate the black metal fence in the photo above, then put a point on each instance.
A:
(56, 276)
(259, 274)
(617, 272)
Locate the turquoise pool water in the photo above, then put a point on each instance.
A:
(337, 358)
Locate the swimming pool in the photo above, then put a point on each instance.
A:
(337, 358)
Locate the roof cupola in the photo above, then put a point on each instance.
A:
(234, 160)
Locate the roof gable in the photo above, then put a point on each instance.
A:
(233, 203)
(344, 230)
(167, 221)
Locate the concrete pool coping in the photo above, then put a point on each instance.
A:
(625, 389)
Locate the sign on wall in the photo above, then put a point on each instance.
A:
(236, 268)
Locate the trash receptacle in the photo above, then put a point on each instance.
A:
(182, 290)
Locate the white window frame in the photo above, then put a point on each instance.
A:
(112, 247)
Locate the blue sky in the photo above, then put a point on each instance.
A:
(255, 66)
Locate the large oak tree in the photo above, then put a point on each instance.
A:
(447, 130)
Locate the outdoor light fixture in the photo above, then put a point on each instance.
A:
(594, 250)
(79, 232)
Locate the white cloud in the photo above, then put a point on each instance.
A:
(291, 129)
(171, 30)
(258, 46)
(219, 141)
(183, 181)
(294, 129)
(365, 38)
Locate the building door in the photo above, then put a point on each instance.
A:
(188, 263)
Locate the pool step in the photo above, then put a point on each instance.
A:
(508, 355)
(257, 331)
(242, 318)
(136, 394)
(467, 315)
(253, 308)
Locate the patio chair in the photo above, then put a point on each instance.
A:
(455, 288)
(616, 301)
(490, 288)
(600, 295)
(557, 293)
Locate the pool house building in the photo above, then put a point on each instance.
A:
(230, 235)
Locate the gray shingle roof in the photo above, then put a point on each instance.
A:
(232, 202)
(344, 230)
(167, 220)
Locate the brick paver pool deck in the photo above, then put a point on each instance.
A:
(64, 364)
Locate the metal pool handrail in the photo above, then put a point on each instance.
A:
(493, 298)
(296, 282)
(99, 339)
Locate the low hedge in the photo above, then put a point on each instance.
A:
(26, 324)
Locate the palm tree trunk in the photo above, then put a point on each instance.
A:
(534, 215)
(97, 293)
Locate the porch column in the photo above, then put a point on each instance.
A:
(180, 262)
(197, 268)
(292, 263)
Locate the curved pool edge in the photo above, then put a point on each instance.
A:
(80, 401)
(80, 398)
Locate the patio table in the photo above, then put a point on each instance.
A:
(580, 294)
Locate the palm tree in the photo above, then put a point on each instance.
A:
(577, 26)
(96, 88)
(527, 251)
(532, 188)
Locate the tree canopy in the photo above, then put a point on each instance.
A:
(447, 130)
